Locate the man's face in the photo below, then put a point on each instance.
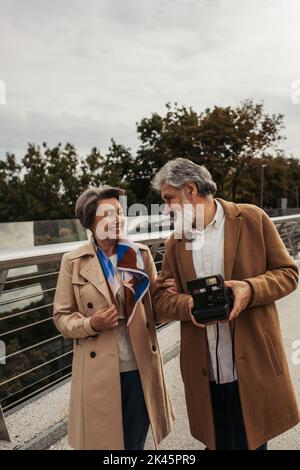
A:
(183, 204)
(174, 198)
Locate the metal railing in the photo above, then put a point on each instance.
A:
(37, 357)
(289, 229)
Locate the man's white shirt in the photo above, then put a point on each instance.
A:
(208, 259)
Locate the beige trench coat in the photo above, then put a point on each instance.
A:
(253, 250)
(95, 415)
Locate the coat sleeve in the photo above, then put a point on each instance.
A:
(70, 322)
(169, 307)
(281, 277)
(150, 268)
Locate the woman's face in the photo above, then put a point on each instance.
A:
(108, 221)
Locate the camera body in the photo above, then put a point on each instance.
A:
(213, 301)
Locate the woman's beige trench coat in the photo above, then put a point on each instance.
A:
(95, 414)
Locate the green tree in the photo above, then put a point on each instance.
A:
(11, 203)
(91, 169)
(233, 142)
(118, 169)
(50, 183)
(225, 139)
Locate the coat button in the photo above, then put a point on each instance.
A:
(153, 348)
(204, 372)
(93, 354)
(90, 305)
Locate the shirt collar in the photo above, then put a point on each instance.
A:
(193, 234)
(218, 217)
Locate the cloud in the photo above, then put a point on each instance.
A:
(87, 71)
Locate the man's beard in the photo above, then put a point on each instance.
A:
(189, 217)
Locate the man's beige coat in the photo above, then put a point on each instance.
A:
(253, 251)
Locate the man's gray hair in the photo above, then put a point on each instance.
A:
(86, 204)
(181, 171)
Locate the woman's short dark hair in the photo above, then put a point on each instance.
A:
(86, 204)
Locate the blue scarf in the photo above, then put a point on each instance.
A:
(135, 280)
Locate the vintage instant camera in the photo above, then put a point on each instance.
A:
(213, 301)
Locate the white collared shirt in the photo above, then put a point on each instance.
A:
(208, 259)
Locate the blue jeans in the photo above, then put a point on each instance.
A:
(228, 417)
(135, 415)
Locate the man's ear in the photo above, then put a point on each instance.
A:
(190, 191)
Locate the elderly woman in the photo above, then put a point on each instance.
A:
(103, 302)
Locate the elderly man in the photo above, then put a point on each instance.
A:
(237, 383)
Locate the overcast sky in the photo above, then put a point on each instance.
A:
(85, 71)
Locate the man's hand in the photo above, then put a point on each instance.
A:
(242, 294)
(105, 318)
(170, 286)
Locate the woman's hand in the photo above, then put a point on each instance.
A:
(170, 286)
(105, 318)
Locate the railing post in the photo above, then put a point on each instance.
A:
(4, 434)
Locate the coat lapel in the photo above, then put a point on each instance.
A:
(231, 238)
(91, 269)
(185, 261)
(231, 235)
(94, 274)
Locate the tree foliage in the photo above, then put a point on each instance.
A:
(232, 142)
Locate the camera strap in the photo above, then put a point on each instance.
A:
(217, 357)
(232, 349)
